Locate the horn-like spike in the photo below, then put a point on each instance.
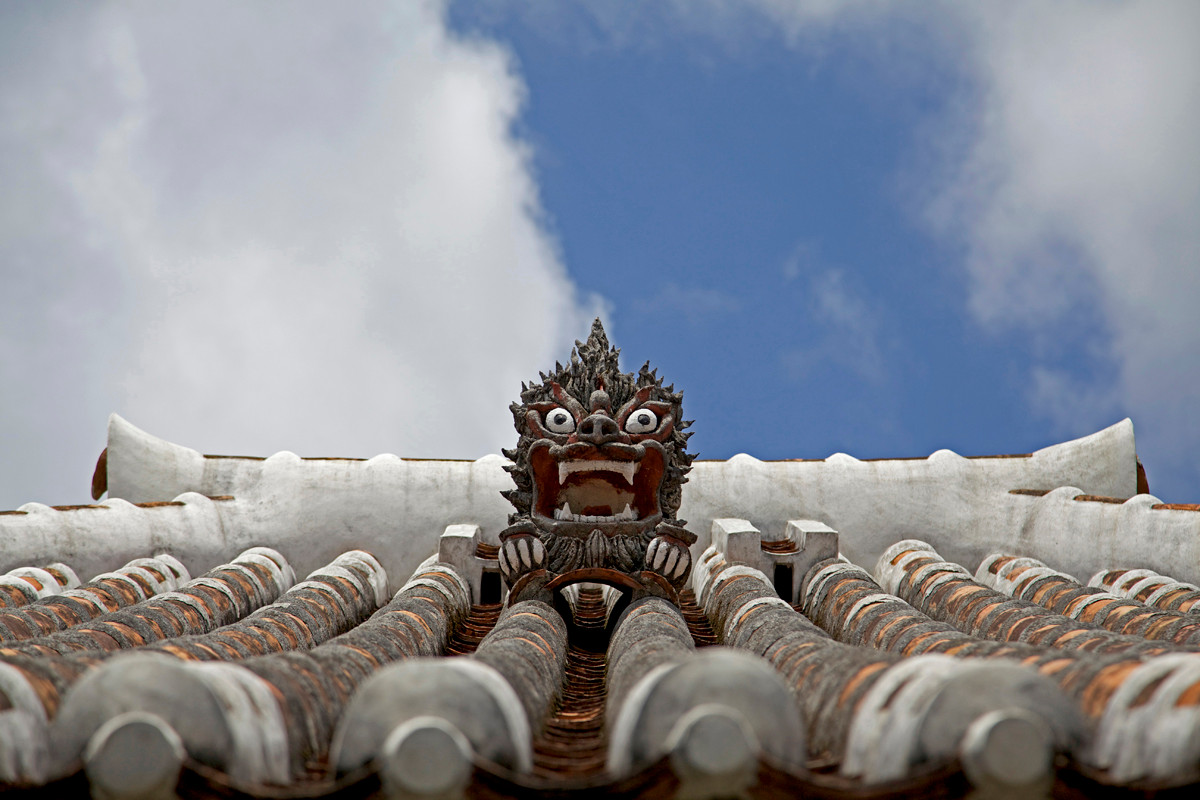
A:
(597, 338)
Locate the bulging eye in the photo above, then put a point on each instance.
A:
(641, 421)
(560, 421)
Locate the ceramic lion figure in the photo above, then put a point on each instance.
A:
(599, 468)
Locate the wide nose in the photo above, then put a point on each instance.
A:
(598, 429)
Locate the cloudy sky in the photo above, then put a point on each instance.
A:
(861, 227)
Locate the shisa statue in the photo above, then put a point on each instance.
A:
(599, 468)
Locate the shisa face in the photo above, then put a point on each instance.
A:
(592, 466)
(599, 450)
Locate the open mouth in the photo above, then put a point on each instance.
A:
(581, 485)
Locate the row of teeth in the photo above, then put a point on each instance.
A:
(626, 469)
(565, 514)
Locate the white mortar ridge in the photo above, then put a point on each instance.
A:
(313, 509)
(507, 701)
(735, 619)
(1128, 735)
(1131, 590)
(20, 693)
(892, 703)
(376, 575)
(618, 760)
(1168, 587)
(24, 749)
(192, 602)
(167, 583)
(121, 577)
(254, 719)
(26, 588)
(222, 587)
(37, 575)
(282, 579)
(827, 573)
(1019, 585)
(1119, 586)
(317, 586)
(999, 579)
(181, 573)
(275, 557)
(1077, 611)
(68, 573)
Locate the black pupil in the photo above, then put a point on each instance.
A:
(559, 418)
(644, 419)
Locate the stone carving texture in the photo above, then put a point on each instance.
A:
(598, 468)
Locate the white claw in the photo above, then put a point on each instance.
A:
(672, 558)
(505, 567)
(660, 557)
(682, 566)
(523, 552)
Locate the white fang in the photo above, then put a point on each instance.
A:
(626, 469)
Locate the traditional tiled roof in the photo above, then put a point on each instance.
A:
(1014, 626)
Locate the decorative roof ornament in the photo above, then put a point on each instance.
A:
(599, 468)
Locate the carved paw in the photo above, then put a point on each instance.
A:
(521, 554)
(596, 550)
(669, 557)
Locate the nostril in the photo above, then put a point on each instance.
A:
(599, 425)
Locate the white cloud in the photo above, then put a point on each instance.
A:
(734, 26)
(252, 227)
(1068, 173)
(1079, 193)
(1065, 170)
(805, 256)
(231, 223)
(849, 327)
(699, 305)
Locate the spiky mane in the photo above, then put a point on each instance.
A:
(594, 364)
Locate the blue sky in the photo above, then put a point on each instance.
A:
(744, 216)
(880, 229)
